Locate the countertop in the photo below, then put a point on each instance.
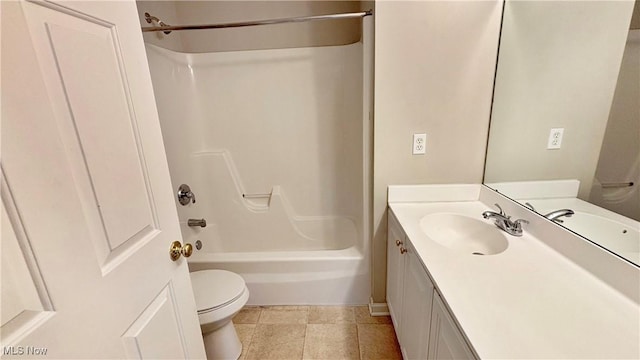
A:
(526, 302)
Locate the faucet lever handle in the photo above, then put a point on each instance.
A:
(185, 195)
(499, 208)
(530, 206)
(518, 223)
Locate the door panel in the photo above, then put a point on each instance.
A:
(99, 120)
(158, 320)
(25, 301)
(119, 186)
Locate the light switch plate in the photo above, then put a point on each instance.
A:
(555, 138)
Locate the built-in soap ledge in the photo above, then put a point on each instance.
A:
(258, 200)
(257, 196)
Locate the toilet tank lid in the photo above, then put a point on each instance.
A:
(213, 288)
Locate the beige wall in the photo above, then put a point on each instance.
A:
(558, 68)
(434, 68)
(316, 33)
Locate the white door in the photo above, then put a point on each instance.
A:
(88, 208)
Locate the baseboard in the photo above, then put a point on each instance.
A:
(378, 309)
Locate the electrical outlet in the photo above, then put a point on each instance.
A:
(419, 144)
(555, 138)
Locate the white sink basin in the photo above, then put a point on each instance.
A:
(464, 234)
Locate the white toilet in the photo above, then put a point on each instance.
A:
(219, 296)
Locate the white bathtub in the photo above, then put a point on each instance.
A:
(286, 259)
(323, 277)
(289, 264)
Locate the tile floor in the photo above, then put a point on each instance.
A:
(315, 332)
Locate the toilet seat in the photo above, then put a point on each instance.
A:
(215, 289)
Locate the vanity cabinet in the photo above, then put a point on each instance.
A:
(424, 328)
(445, 340)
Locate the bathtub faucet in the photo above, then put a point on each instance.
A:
(197, 222)
(557, 214)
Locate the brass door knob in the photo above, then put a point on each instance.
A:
(403, 250)
(178, 249)
(187, 250)
(398, 242)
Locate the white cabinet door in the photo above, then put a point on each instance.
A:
(416, 308)
(395, 271)
(86, 189)
(445, 340)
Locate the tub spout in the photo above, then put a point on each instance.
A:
(197, 222)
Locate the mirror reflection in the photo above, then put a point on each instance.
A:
(565, 125)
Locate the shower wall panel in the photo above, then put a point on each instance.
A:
(283, 127)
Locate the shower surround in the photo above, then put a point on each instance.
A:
(274, 145)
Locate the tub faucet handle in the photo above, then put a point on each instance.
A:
(185, 195)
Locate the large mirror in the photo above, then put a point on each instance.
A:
(565, 124)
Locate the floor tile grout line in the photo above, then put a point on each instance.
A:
(355, 324)
(260, 316)
(253, 333)
(358, 341)
(304, 340)
(246, 351)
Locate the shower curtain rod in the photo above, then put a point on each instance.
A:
(168, 28)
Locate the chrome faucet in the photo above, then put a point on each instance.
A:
(197, 222)
(504, 222)
(557, 214)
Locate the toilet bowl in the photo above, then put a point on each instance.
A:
(219, 296)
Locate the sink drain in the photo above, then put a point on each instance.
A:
(477, 253)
